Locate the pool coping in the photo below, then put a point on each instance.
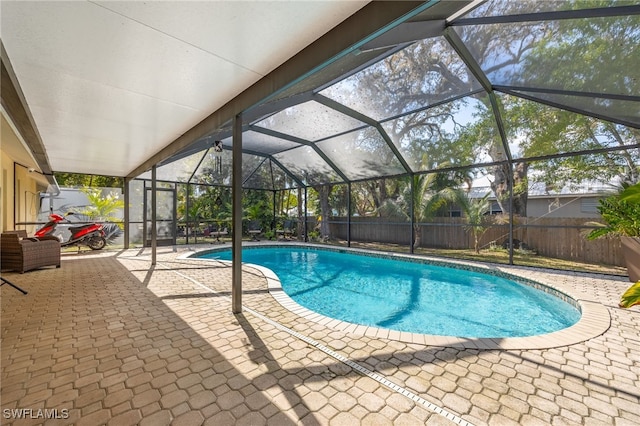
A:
(594, 320)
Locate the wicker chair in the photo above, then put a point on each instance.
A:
(22, 254)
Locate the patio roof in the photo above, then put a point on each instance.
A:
(347, 107)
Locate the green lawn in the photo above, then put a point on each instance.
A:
(502, 256)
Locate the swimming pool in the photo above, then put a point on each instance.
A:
(416, 297)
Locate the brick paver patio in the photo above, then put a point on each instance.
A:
(109, 339)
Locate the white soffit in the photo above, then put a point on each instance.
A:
(110, 83)
(13, 146)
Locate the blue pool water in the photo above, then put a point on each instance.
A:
(410, 296)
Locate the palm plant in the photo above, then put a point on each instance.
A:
(102, 207)
(428, 198)
(427, 194)
(631, 193)
(254, 211)
(475, 210)
(223, 212)
(621, 214)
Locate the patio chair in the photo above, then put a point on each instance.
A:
(217, 233)
(287, 229)
(254, 230)
(22, 254)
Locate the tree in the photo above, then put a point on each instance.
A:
(368, 196)
(475, 211)
(324, 192)
(575, 55)
(621, 215)
(504, 176)
(547, 131)
(286, 200)
(258, 207)
(102, 207)
(428, 199)
(82, 180)
(426, 193)
(428, 72)
(631, 194)
(563, 54)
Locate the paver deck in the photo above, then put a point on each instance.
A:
(110, 339)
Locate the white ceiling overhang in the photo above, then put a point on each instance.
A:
(109, 84)
(16, 148)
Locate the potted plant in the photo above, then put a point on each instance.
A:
(621, 214)
(631, 297)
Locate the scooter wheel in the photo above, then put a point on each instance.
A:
(96, 243)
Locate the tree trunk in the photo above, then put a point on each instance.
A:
(288, 202)
(521, 189)
(301, 217)
(325, 209)
(417, 236)
(382, 185)
(500, 187)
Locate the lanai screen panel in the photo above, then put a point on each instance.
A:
(179, 170)
(260, 142)
(510, 7)
(422, 74)
(458, 133)
(594, 55)
(310, 121)
(536, 130)
(591, 173)
(213, 172)
(268, 175)
(308, 166)
(362, 154)
(251, 163)
(627, 111)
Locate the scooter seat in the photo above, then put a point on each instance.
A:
(75, 229)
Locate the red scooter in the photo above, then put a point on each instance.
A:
(91, 235)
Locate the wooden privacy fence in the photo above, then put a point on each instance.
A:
(560, 238)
